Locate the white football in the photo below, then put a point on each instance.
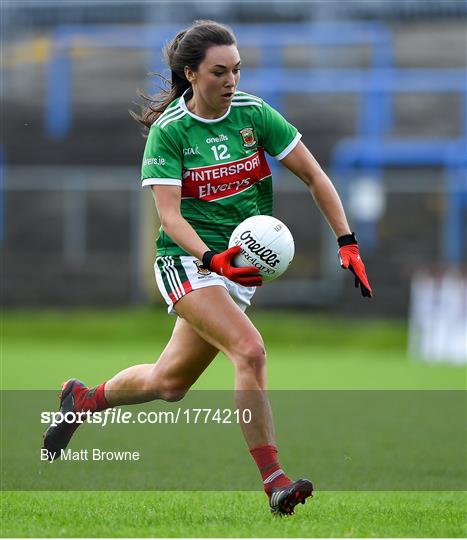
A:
(266, 243)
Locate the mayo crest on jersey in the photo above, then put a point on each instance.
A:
(219, 164)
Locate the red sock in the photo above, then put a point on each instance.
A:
(269, 467)
(90, 399)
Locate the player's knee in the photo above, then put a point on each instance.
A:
(173, 395)
(167, 389)
(172, 391)
(251, 356)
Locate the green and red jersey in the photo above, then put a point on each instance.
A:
(219, 164)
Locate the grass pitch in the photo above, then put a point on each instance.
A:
(41, 349)
(234, 514)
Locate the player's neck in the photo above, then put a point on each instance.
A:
(200, 108)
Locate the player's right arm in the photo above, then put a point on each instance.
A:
(168, 200)
(162, 171)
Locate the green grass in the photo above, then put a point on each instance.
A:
(238, 514)
(40, 349)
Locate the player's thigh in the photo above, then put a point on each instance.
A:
(219, 321)
(185, 357)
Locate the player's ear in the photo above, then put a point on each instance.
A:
(190, 74)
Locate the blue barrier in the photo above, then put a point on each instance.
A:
(455, 224)
(368, 84)
(58, 95)
(267, 37)
(371, 154)
(361, 81)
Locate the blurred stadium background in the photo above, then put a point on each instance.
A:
(378, 88)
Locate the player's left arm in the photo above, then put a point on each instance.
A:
(301, 162)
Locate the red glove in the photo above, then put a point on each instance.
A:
(349, 256)
(221, 264)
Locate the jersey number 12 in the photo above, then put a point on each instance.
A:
(220, 151)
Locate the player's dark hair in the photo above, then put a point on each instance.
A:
(187, 48)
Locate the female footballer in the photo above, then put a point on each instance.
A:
(205, 164)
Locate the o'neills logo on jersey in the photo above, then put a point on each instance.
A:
(219, 138)
(219, 181)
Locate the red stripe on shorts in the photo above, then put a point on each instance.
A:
(187, 286)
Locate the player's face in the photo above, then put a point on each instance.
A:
(217, 77)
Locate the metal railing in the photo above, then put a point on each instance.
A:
(269, 79)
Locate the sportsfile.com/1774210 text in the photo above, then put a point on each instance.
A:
(181, 415)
